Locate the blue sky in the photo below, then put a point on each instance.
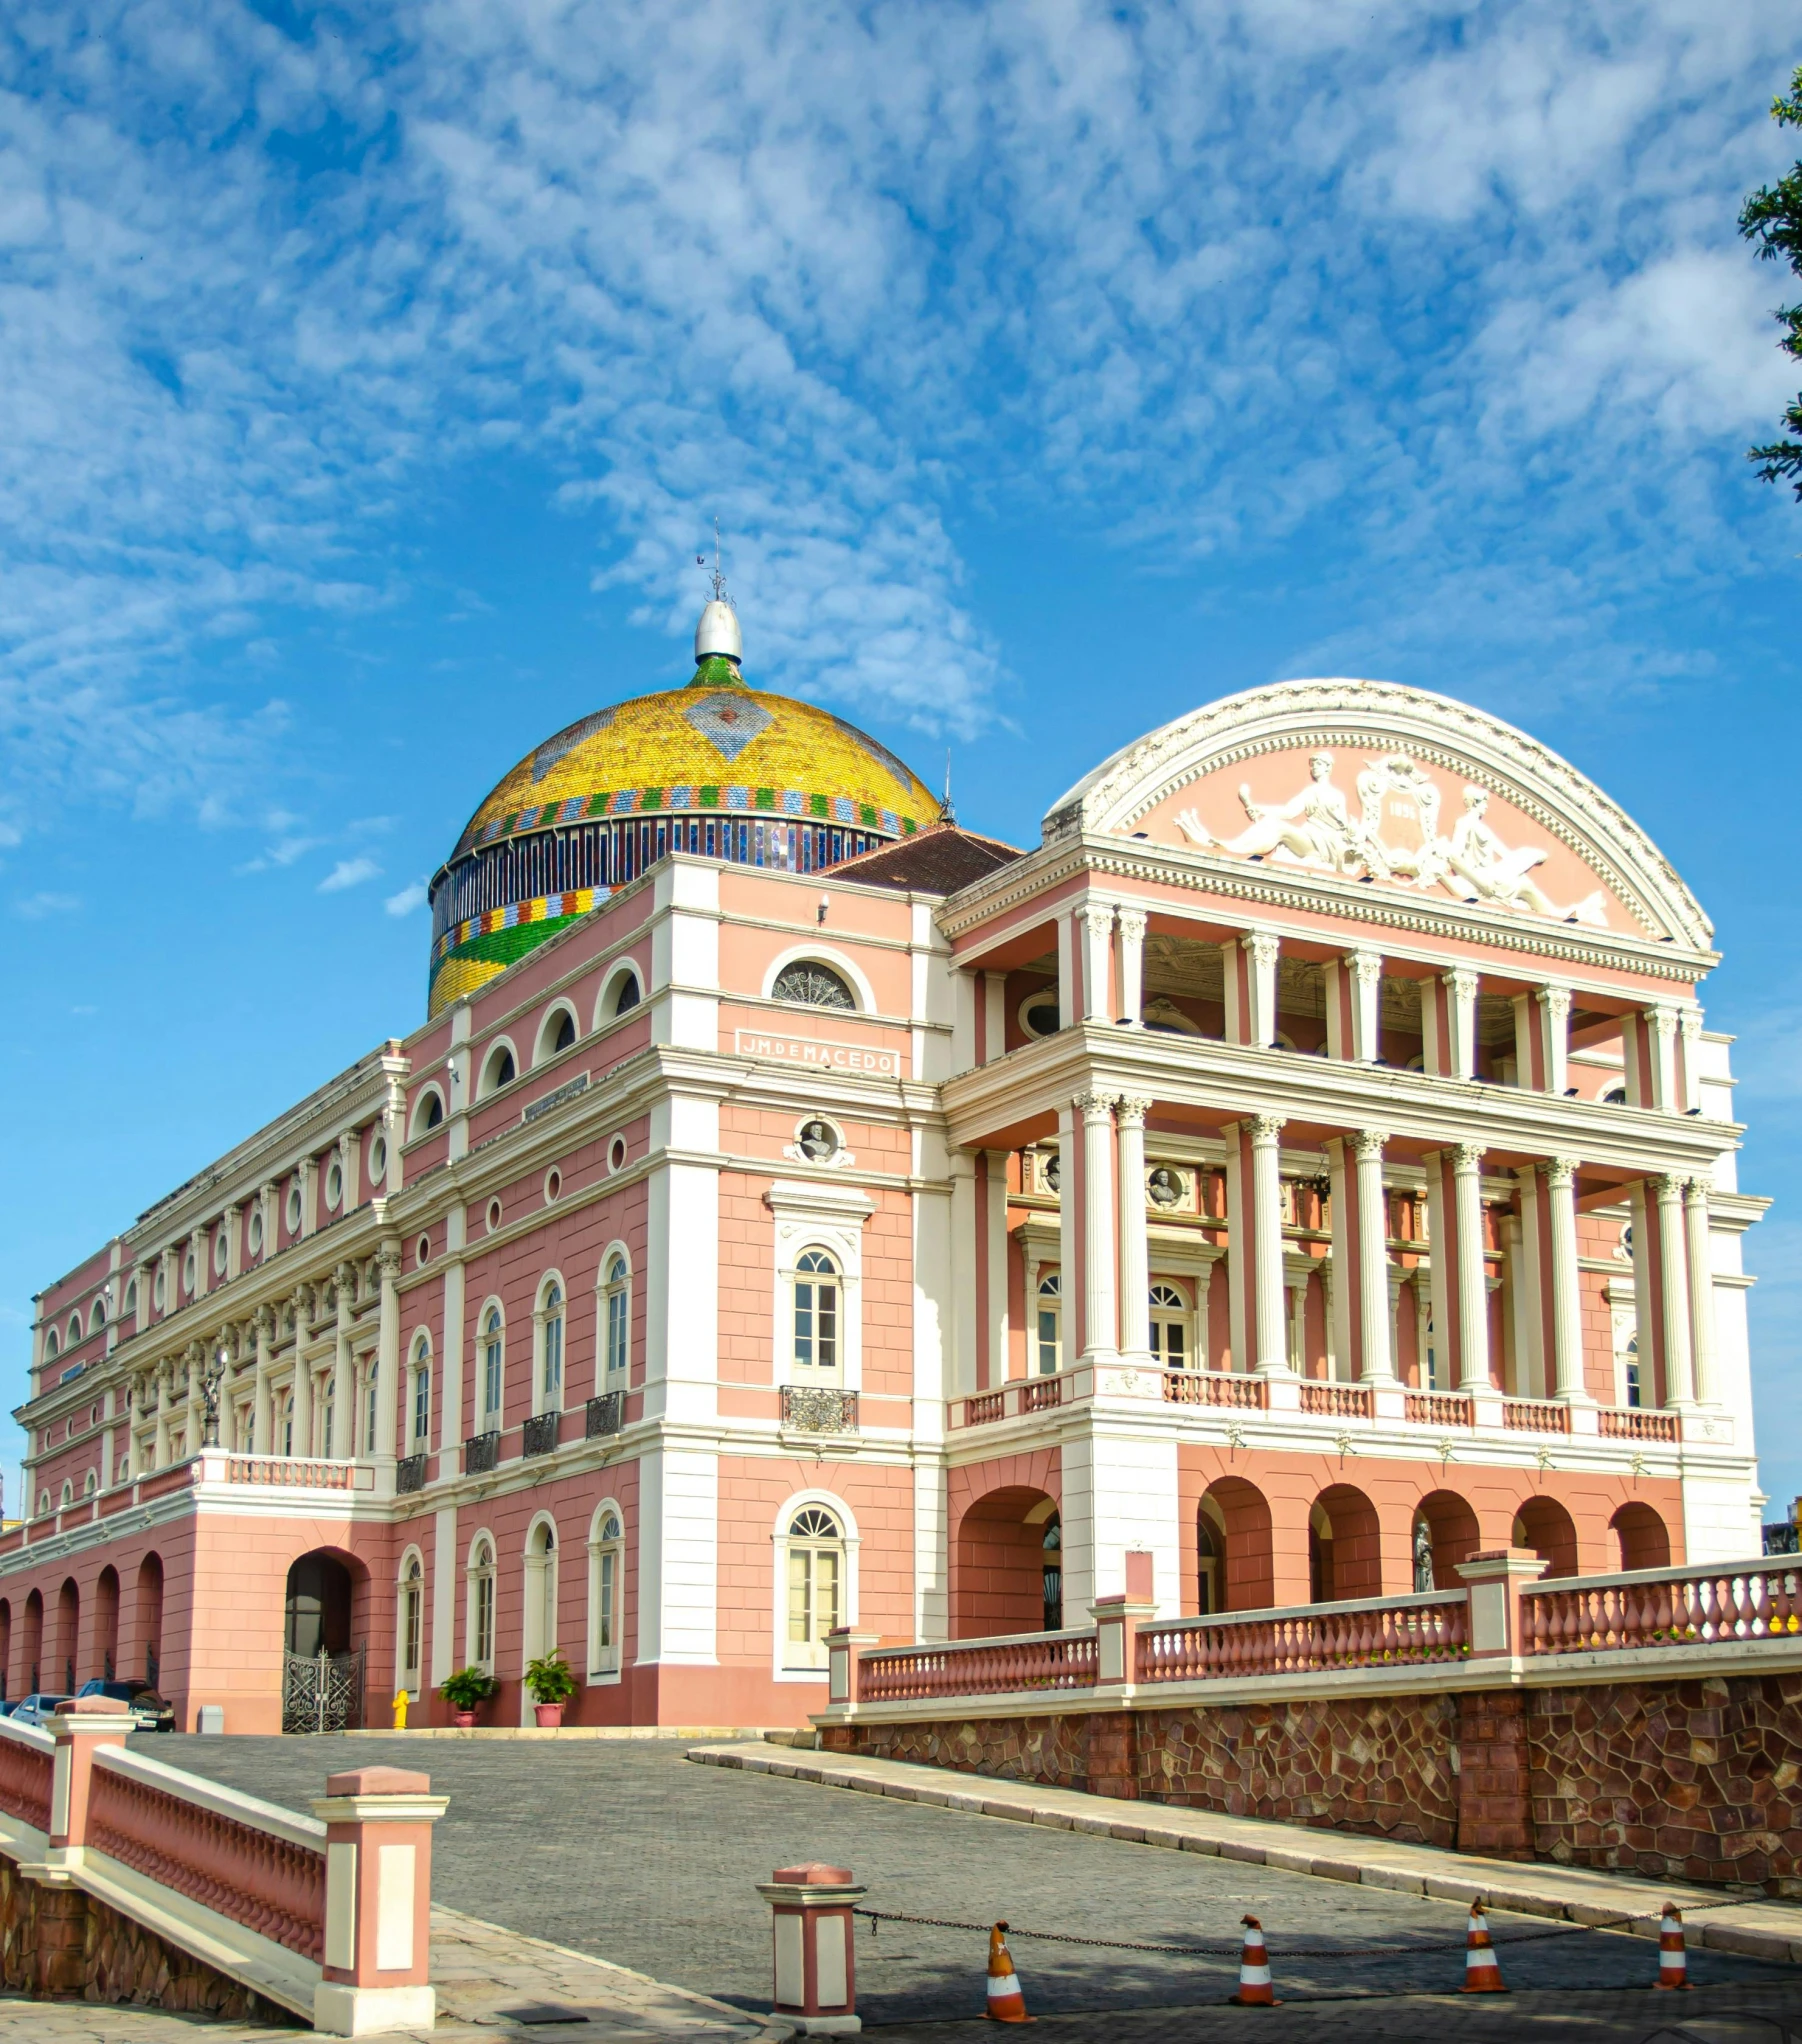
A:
(370, 379)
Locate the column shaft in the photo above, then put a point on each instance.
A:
(1099, 1329)
(1097, 922)
(1269, 1337)
(1131, 925)
(387, 1355)
(342, 1446)
(1699, 1243)
(1473, 1287)
(1673, 1288)
(1373, 1259)
(1135, 1263)
(1567, 1302)
(262, 1429)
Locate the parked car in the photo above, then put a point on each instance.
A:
(153, 1713)
(37, 1708)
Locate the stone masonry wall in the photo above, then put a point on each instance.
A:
(61, 1943)
(1697, 1780)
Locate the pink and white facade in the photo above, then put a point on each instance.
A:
(1298, 1169)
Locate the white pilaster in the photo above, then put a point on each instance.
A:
(1373, 1258)
(1461, 1018)
(1100, 1332)
(1567, 1304)
(1271, 1334)
(1554, 1004)
(1699, 1248)
(1131, 925)
(387, 1355)
(1473, 1276)
(1135, 1267)
(1097, 941)
(1673, 1267)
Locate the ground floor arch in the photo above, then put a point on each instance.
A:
(1445, 1533)
(1345, 1549)
(1641, 1538)
(1544, 1525)
(1002, 1546)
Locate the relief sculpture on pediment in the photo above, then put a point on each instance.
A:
(1394, 837)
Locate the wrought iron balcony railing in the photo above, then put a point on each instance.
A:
(815, 1409)
(540, 1433)
(606, 1415)
(409, 1474)
(481, 1452)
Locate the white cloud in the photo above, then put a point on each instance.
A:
(410, 897)
(348, 873)
(37, 908)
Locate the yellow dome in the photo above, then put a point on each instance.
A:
(726, 770)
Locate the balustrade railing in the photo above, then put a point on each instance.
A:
(295, 1472)
(985, 1408)
(539, 1434)
(1535, 1416)
(1337, 1401)
(979, 1667)
(1438, 1409)
(409, 1474)
(1238, 1388)
(481, 1453)
(1308, 1638)
(605, 1415)
(1700, 1607)
(26, 1765)
(263, 1868)
(1636, 1423)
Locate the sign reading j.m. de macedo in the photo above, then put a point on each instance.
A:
(865, 1060)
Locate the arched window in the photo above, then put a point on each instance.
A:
(131, 1298)
(541, 1591)
(493, 1355)
(816, 1314)
(500, 1070)
(559, 1033)
(89, 1484)
(816, 1578)
(550, 1347)
(1210, 1555)
(626, 995)
(620, 994)
(1047, 1330)
(480, 1625)
(68, 1496)
(52, 1347)
(617, 1294)
(372, 1403)
(97, 1318)
(411, 1622)
(811, 985)
(1170, 1327)
(287, 1424)
(606, 1568)
(74, 1329)
(43, 1504)
(1630, 1383)
(422, 1394)
(430, 1111)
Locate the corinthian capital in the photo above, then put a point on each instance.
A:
(1098, 917)
(1094, 1107)
(1560, 1173)
(1132, 924)
(1261, 947)
(1266, 1128)
(1132, 1111)
(1669, 1187)
(387, 1260)
(1467, 1157)
(1368, 1143)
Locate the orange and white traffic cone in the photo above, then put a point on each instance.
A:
(1006, 2003)
(1255, 1991)
(1673, 1960)
(1481, 1973)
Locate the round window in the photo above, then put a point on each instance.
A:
(188, 1272)
(159, 1291)
(378, 1160)
(553, 1186)
(294, 1210)
(1038, 1013)
(494, 1215)
(256, 1233)
(221, 1248)
(334, 1185)
(422, 1254)
(616, 1154)
(1051, 1171)
(818, 1141)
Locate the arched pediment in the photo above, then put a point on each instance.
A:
(1395, 787)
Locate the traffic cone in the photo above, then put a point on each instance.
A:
(1006, 2003)
(1255, 1991)
(1673, 1960)
(1481, 1973)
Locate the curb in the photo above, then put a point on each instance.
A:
(1749, 1929)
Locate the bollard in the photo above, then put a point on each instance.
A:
(400, 1710)
(816, 1956)
(378, 1898)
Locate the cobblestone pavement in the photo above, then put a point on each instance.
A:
(628, 1851)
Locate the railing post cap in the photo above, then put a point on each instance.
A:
(814, 1874)
(1519, 1563)
(378, 1781)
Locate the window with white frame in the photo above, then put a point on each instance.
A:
(1631, 1391)
(1170, 1344)
(541, 1591)
(616, 1311)
(1048, 1324)
(422, 1394)
(372, 1382)
(494, 1339)
(606, 1571)
(815, 1586)
(479, 1627)
(816, 1317)
(549, 1318)
(411, 1625)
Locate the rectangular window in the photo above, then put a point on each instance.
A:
(1632, 1376)
(484, 1642)
(812, 1599)
(410, 1638)
(491, 1385)
(1047, 1341)
(369, 1427)
(616, 1332)
(609, 1571)
(553, 1357)
(422, 1405)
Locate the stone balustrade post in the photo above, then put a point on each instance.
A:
(813, 1933)
(378, 1899)
(1496, 1577)
(845, 1650)
(79, 1727)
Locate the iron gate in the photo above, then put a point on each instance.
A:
(323, 1692)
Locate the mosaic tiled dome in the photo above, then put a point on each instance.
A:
(714, 767)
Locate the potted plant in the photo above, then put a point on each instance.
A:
(466, 1691)
(551, 1684)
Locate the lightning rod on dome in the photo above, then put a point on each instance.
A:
(717, 636)
(947, 814)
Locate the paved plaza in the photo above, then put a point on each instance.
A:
(626, 1850)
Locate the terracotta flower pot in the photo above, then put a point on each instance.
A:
(549, 1715)
(463, 1719)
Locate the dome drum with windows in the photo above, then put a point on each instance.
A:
(715, 768)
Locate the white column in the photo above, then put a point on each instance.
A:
(234, 1242)
(1296, 1284)
(1069, 1237)
(994, 1248)
(1690, 1023)
(1099, 1331)
(342, 1446)
(1661, 1030)
(350, 1156)
(1567, 1301)
(1673, 1268)
(162, 1415)
(1238, 1236)
(1131, 925)
(1339, 1339)
(1373, 1258)
(262, 1425)
(387, 1355)
(302, 1387)
(1554, 1037)
(1461, 1018)
(1529, 1316)
(992, 993)
(1269, 1337)
(1473, 1286)
(1442, 1275)
(1329, 1316)
(1135, 1262)
(1066, 971)
(1700, 1246)
(1261, 953)
(1366, 1005)
(1097, 942)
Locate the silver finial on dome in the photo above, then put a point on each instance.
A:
(717, 635)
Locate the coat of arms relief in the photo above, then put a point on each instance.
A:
(1395, 836)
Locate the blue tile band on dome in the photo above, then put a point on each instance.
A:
(701, 795)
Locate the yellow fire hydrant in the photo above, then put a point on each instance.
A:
(400, 1710)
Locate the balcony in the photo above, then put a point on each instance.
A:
(540, 1433)
(815, 1409)
(604, 1416)
(409, 1474)
(481, 1453)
